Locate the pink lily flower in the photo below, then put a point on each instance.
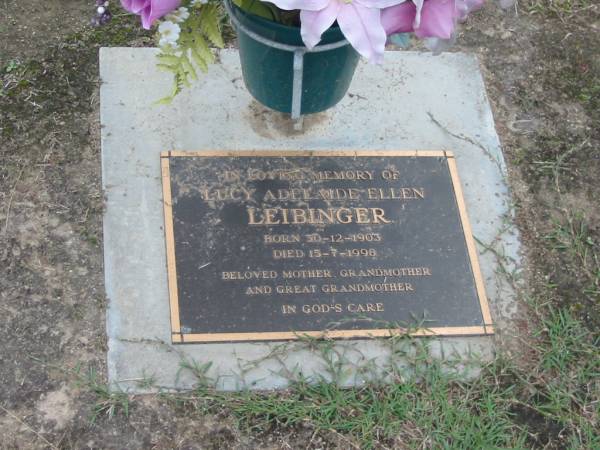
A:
(359, 21)
(150, 10)
(427, 18)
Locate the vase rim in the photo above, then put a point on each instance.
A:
(280, 26)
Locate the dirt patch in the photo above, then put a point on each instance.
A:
(28, 28)
(57, 407)
(544, 81)
(275, 125)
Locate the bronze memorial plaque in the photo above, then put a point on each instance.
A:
(270, 245)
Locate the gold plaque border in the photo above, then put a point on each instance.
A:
(178, 337)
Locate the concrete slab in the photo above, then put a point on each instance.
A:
(414, 101)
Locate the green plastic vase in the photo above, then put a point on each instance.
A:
(268, 72)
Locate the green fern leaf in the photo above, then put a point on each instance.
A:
(188, 68)
(202, 54)
(199, 60)
(193, 50)
(209, 24)
(175, 90)
(166, 67)
(167, 58)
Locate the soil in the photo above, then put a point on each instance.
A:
(28, 28)
(542, 70)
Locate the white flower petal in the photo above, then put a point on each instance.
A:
(314, 23)
(362, 27)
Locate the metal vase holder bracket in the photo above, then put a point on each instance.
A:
(298, 66)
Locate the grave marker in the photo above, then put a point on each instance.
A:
(271, 245)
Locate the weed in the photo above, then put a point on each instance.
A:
(560, 8)
(199, 370)
(146, 381)
(559, 165)
(434, 409)
(572, 236)
(11, 66)
(109, 402)
(555, 399)
(437, 412)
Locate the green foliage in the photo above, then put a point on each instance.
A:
(200, 30)
(198, 370)
(554, 399)
(566, 381)
(572, 237)
(260, 8)
(432, 413)
(146, 381)
(109, 401)
(560, 8)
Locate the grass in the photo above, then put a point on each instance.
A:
(558, 166)
(108, 401)
(436, 411)
(566, 380)
(34, 89)
(561, 8)
(552, 400)
(573, 241)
